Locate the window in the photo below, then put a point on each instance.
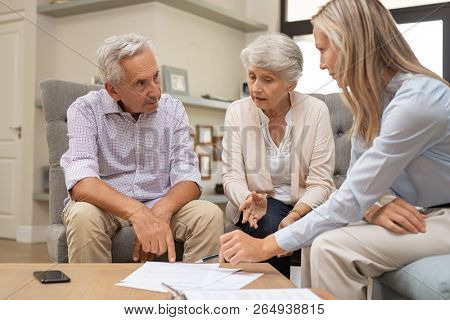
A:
(426, 40)
(425, 28)
(313, 79)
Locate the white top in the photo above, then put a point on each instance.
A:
(279, 158)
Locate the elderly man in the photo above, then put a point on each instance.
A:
(130, 162)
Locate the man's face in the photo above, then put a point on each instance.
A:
(140, 88)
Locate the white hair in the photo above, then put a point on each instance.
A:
(275, 52)
(116, 48)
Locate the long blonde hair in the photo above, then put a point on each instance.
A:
(369, 44)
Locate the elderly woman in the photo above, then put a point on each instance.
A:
(400, 143)
(278, 147)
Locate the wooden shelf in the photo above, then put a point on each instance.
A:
(201, 102)
(40, 196)
(197, 7)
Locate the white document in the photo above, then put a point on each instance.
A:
(235, 281)
(185, 276)
(252, 294)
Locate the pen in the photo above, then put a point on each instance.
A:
(207, 258)
(177, 295)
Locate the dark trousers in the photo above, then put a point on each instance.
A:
(276, 211)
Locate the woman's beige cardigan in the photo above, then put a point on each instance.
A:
(244, 153)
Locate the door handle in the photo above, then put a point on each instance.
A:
(17, 130)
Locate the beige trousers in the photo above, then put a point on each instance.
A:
(342, 260)
(89, 230)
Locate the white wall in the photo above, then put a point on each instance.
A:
(267, 12)
(206, 49)
(27, 9)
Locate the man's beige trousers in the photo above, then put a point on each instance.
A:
(89, 230)
(342, 260)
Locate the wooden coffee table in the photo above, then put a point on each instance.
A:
(96, 281)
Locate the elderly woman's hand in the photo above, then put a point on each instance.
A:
(253, 208)
(289, 219)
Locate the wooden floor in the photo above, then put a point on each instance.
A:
(14, 252)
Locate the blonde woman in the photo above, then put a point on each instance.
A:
(278, 147)
(400, 144)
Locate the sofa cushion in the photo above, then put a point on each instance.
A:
(57, 243)
(341, 123)
(427, 278)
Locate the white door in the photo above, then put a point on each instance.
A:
(11, 104)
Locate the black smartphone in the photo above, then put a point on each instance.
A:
(51, 276)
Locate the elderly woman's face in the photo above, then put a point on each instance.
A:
(268, 89)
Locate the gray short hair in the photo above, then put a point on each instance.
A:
(116, 48)
(275, 52)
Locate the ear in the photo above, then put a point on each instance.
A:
(112, 90)
(291, 86)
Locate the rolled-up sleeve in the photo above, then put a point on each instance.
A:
(407, 127)
(319, 182)
(80, 160)
(183, 159)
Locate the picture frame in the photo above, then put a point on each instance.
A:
(192, 135)
(204, 164)
(244, 92)
(217, 150)
(204, 134)
(175, 81)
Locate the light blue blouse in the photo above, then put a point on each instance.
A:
(410, 157)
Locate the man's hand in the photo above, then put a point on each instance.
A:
(398, 216)
(237, 246)
(139, 255)
(153, 233)
(162, 213)
(253, 208)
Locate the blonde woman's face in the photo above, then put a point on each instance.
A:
(328, 54)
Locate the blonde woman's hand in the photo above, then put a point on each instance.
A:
(237, 246)
(253, 208)
(398, 216)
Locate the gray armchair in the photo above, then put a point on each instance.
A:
(57, 96)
